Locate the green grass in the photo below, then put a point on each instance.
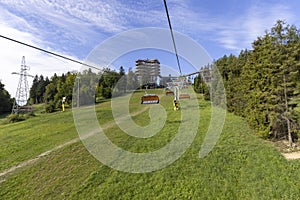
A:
(24, 140)
(241, 166)
(27, 139)
(3, 119)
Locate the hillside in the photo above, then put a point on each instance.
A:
(241, 166)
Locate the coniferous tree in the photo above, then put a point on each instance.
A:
(132, 81)
(122, 81)
(270, 78)
(5, 101)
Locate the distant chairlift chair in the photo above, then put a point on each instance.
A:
(149, 99)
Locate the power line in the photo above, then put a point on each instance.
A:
(171, 30)
(49, 52)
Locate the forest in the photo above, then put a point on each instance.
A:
(263, 84)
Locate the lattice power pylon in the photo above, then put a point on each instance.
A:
(22, 93)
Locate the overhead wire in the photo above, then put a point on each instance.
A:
(173, 39)
(49, 52)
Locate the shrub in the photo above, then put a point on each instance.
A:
(15, 118)
(30, 114)
(50, 107)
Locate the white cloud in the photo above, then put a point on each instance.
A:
(260, 19)
(73, 14)
(75, 27)
(232, 31)
(40, 63)
(78, 25)
(239, 33)
(80, 21)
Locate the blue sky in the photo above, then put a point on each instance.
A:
(75, 27)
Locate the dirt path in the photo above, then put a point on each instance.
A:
(292, 156)
(33, 160)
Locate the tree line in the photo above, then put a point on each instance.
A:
(92, 86)
(263, 84)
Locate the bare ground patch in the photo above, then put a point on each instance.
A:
(290, 153)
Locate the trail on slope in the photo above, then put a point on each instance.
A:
(35, 159)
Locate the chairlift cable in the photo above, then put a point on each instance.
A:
(49, 52)
(173, 39)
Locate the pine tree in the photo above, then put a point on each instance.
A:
(5, 101)
(122, 81)
(33, 89)
(234, 86)
(132, 81)
(270, 81)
